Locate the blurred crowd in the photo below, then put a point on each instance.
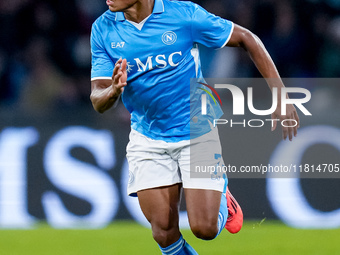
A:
(45, 51)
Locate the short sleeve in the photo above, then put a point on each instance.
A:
(210, 30)
(102, 65)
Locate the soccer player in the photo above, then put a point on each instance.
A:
(146, 52)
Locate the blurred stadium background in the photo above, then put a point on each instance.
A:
(64, 165)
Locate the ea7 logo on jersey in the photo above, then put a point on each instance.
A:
(117, 45)
(169, 38)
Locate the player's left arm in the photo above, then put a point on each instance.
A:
(244, 38)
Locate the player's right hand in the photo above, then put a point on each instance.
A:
(119, 77)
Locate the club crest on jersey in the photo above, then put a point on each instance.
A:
(169, 38)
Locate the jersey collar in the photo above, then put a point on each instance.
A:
(157, 8)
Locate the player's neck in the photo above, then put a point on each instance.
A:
(139, 11)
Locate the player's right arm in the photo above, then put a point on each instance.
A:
(105, 92)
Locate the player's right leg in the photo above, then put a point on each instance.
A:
(154, 177)
(160, 207)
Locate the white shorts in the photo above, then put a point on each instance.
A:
(156, 163)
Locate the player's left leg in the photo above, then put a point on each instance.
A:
(205, 187)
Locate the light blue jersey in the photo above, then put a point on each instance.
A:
(162, 56)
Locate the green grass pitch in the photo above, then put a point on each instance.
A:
(126, 238)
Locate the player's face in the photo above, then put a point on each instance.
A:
(120, 5)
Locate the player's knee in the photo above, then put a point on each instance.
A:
(205, 230)
(162, 237)
(163, 232)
